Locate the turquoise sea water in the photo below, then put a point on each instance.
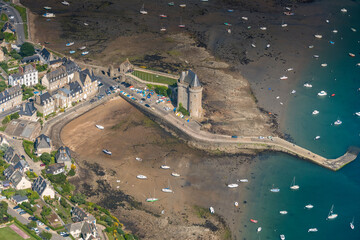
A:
(318, 186)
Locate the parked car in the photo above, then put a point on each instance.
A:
(147, 105)
(47, 228)
(22, 212)
(42, 165)
(22, 156)
(11, 17)
(16, 207)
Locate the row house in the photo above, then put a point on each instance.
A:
(61, 76)
(10, 98)
(42, 144)
(28, 76)
(45, 103)
(43, 187)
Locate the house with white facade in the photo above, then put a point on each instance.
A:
(28, 76)
(43, 188)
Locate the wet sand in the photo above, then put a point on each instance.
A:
(129, 134)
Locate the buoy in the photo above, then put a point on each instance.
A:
(333, 94)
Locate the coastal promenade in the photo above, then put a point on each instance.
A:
(191, 132)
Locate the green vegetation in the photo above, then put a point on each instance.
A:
(5, 50)
(154, 78)
(3, 166)
(4, 17)
(4, 66)
(183, 110)
(31, 175)
(41, 68)
(27, 207)
(27, 92)
(47, 159)
(29, 149)
(27, 49)
(78, 198)
(22, 12)
(45, 235)
(3, 86)
(46, 211)
(10, 117)
(53, 114)
(9, 37)
(201, 212)
(14, 54)
(4, 217)
(162, 90)
(8, 233)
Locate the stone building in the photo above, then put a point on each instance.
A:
(28, 76)
(10, 98)
(126, 67)
(42, 144)
(45, 103)
(190, 93)
(8, 28)
(43, 187)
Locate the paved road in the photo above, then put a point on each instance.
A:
(17, 21)
(8, 112)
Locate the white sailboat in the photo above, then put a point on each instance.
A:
(167, 189)
(233, 185)
(164, 167)
(312, 230)
(315, 112)
(152, 199)
(352, 224)
(293, 186)
(259, 229)
(174, 174)
(309, 206)
(100, 127)
(331, 214)
(181, 25)
(212, 210)
(143, 177)
(274, 189)
(282, 236)
(283, 212)
(107, 152)
(142, 10)
(65, 3)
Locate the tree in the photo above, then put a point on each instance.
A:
(73, 166)
(78, 198)
(14, 116)
(71, 173)
(45, 158)
(45, 235)
(46, 211)
(5, 50)
(32, 224)
(64, 203)
(27, 49)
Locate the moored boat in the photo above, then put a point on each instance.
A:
(174, 174)
(322, 93)
(318, 36)
(244, 180)
(99, 127)
(353, 29)
(312, 230)
(315, 112)
(352, 224)
(283, 78)
(236, 204)
(212, 210)
(317, 138)
(152, 199)
(164, 167)
(107, 152)
(138, 159)
(293, 186)
(263, 28)
(331, 214)
(85, 53)
(259, 229)
(335, 31)
(182, 5)
(253, 221)
(233, 185)
(309, 206)
(245, 18)
(142, 10)
(343, 10)
(141, 177)
(69, 44)
(358, 64)
(65, 3)
(351, 54)
(166, 190)
(48, 15)
(338, 122)
(324, 64)
(72, 52)
(274, 189)
(253, 45)
(82, 48)
(283, 212)
(307, 85)
(47, 8)
(357, 114)
(282, 236)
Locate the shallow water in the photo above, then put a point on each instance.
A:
(318, 186)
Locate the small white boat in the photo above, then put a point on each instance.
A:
(212, 210)
(324, 64)
(283, 212)
(317, 138)
(316, 56)
(244, 180)
(312, 230)
(357, 114)
(335, 31)
(352, 224)
(152, 199)
(338, 122)
(259, 229)
(322, 93)
(48, 15)
(236, 204)
(353, 29)
(229, 31)
(318, 36)
(47, 8)
(72, 52)
(358, 64)
(282, 236)
(107, 152)
(331, 214)
(86, 24)
(100, 127)
(182, 5)
(174, 174)
(289, 69)
(138, 159)
(293, 186)
(85, 53)
(343, 10)
(233, 185)
(142, 10)
(284, 25)
(69, 44)
(327, 20)
(273, 189)
(263, 28)
(141, 177)
(65, 3)
(283, 78)
(244, 18)
(166, 190)
(311, 46)
(351, 54)
(164, 167)
(315, 112)
(307, 85)
(267, 45)
(82, 48)
(293, 91)
(309, 206)
(253, 45)
(163, 29)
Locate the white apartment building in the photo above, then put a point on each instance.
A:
(28, 76)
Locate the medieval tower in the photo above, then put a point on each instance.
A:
(190, 93)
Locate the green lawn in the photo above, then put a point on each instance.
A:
(8, 233)
(21, 10)
(154, 78)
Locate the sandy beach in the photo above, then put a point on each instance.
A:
(129, 134)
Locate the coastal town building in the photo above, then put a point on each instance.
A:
(55, 63)
(8, 28)
(9, 154)
(55, 168)
(45, 103)
(43, 188)
(55, 79)
(28, 76)
(10, 98)
(31, 59)
(3, 141)
(22, 166)
(46, 56)
(18, 199)
(28, 111)
(2, 55)
(8, 172)
(63, 156)
(189, 94)
(42, 144)
(84, 225)
(126, 67)
(19, 181)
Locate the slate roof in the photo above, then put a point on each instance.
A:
(9, 26)
(55, 61)
(10, 93)
(56, 74)
(19, 198)
(39, 185)
(8, 155)
(73, 227)
(79, 213)
(15, 159)
(32, 58)
(54, 167)
(21, 165)
(45, 98)
(9, 171)
(75, 87)
(27, 109)
(63, 155)
(42, 141)
(190, 78)
(27, 69)
(83, 74)
(16, 178)
(70, 66)
(45, 54)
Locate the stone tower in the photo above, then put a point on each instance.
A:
(190, 93)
